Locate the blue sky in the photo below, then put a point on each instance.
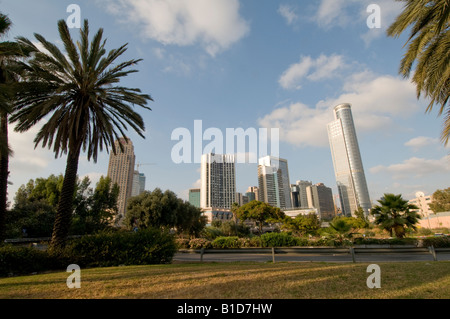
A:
(254, 64)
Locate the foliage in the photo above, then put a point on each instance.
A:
(281, 240)
(441, 201)
(84, 108)
(10, 73)
(197, 243)
(148, 246)
(437, 242)
(259, 212)
(362, 220)
(25, 260)
(164, 210)
(94, 209)
(35, 205)
(340, 230)
(395, 215)
(384, 241)
(226, 242)
(302, 225)
(428, 49)
(229, 228)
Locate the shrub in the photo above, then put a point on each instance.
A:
(25, 260)
(437, 242)
(322, 242)
(250, 242)
(211, 233)
(182, 243)
(198, 243)
(226, 242)
(384, 241)
(279, 240)
(147, 246)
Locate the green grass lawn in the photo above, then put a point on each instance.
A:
(429, 280)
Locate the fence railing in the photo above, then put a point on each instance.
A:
(352, 251)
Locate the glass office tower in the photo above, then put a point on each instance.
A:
(348, 167)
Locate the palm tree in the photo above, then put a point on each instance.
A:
(10, 52)
(429, 48)
(395, 215)
(340, 230)
(86, 111)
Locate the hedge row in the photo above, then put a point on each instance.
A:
(288, 240)
(150, 246)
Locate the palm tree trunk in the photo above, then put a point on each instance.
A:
(4, 172)
(63, 217)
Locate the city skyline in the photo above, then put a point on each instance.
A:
(262, 65)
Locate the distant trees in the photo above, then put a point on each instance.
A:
(34, 209)
(302, 224)
(163, 210)
(259, 212)
(395, 215)
(441, 201)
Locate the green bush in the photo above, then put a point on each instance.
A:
(250, 242)
(25, 260)
(226, 242)
(182, 243)
(384, 241)
(211, 233)
(280, 240)
(198, 243)
(322, 242)
(147, 246)
(437, 242)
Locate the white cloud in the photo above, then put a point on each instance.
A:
(299, 124)
(26, 158)
(332, 13)
(324, 67)
(288, 13)
(214, 24)
(342, 13)
(414, 167)
(419, 142)
(377, 102)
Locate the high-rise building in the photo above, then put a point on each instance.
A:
(273, 179)
(218, 181)
(138, 183)
(348, 167)
(194, 197)
(321, 197)
(121, 171)
(299, 193)
(252, 193)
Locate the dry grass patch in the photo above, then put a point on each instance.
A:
(239, 280)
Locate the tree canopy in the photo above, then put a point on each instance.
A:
(163, 210)
(259, 212)
(395, 215)
(441, 201)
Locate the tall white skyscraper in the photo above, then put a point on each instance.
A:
(218, 181)
(348, 167)
(273, 179)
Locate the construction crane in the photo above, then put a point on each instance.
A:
(140, 164)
